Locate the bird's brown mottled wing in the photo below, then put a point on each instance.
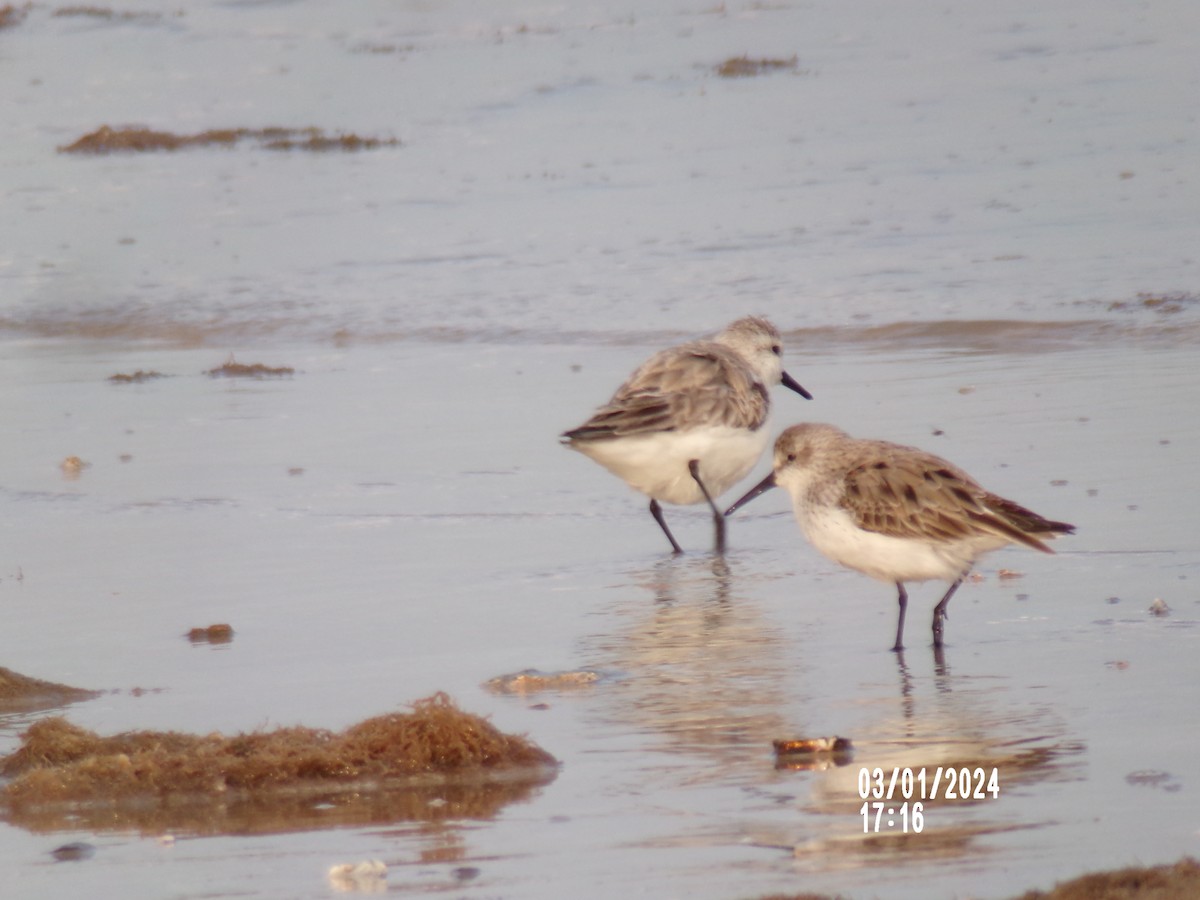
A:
(684, 387)
(919, 495)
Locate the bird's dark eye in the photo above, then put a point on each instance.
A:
(776, 349)
(791, 457)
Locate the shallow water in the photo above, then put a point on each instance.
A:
(956, 263)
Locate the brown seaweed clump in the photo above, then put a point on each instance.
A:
(12, 16)
(745, 67)
(231, 368)
(221, 633)
(58, 762)
(1180, 881)
(103, 12)
(135, 377)
(1164, 304)
(106, 139)
(20, 692)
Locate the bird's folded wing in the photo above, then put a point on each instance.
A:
(927, 497)
(688, 387)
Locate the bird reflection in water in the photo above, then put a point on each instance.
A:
(700, 666)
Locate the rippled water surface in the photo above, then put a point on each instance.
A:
(977, 231)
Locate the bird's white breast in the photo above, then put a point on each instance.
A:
(832, 531)
(657, 464)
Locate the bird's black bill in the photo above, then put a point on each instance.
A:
(790, 382)
(761, 488)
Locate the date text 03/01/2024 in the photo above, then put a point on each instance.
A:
(911, 787)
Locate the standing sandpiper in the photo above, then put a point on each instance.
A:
(690, 422)
(895, 513)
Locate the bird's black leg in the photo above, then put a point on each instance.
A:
(903, 598)
(718, 519)
(656, 511)
(939, 612)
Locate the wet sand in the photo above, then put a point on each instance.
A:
(998, 267)
(408, 556)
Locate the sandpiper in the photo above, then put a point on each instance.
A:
(895, 513)
(690, 421)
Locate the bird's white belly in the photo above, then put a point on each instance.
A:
(891, 559)
(657, 464)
